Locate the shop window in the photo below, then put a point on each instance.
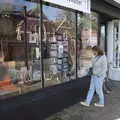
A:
(87, 38)
(59, 45)
(20, 68)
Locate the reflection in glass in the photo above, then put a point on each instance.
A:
(59, 45)
(19, 23)
(87, 38)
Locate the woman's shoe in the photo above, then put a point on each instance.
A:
(99, 105)
(84, 104)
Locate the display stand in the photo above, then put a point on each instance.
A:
(35, 67)
(53, 57)
(62, 57)
(58, 61)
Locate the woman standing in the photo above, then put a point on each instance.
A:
(99, 69)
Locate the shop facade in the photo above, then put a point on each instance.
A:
(45, 51)
(45, 44)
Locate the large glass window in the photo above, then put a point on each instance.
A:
(87, 38)
(20, 68)
(59, 45)
(25, 45)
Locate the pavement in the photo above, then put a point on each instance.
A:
(111, 111)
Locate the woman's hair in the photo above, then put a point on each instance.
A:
(98, 50)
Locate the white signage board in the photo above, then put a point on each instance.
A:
(79, 5)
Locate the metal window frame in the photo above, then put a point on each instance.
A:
(42, 64)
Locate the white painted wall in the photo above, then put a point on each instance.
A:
(114, 73)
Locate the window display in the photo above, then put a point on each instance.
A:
(58, 43)
(17, 70)
(35, 56)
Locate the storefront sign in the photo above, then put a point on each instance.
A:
(79, 5)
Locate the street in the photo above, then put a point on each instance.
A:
(111, 111)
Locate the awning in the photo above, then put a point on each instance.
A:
(114, 2)
(103, 7)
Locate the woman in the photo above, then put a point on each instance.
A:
(99, 69)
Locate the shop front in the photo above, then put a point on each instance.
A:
(45, 52)
(43, 44)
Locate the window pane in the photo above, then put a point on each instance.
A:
(87, 37)
(19, 47)
(58, 45)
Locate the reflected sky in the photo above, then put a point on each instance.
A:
(20, 3)
(50, 12)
